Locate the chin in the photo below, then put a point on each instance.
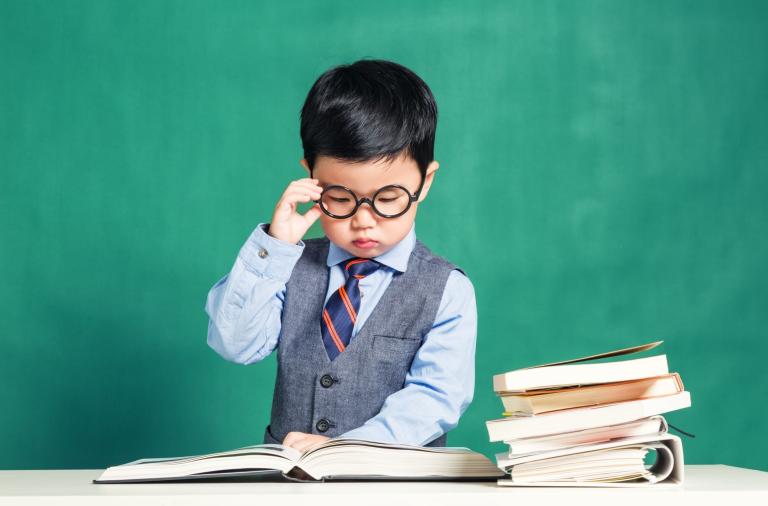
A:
(366, 253)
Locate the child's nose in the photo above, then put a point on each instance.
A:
(364, 217)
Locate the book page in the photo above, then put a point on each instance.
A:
(614, 353)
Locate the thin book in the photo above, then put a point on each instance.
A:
(570, 420)
(573, 372)
(544, 401)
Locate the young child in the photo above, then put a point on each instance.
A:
(375, 335)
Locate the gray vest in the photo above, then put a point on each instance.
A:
(318, 396)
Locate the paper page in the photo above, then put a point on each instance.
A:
(615, 353)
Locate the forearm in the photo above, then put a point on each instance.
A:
(415, 415)
(245, 306)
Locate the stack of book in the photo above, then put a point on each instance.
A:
(590, 424)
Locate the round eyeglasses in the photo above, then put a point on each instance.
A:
(390, 201)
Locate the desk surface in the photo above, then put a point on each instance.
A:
(710, 484)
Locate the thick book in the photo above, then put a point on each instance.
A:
(653, 425)
(336, 459)
(569, 420)
(572, 373)
(619, 463)
(544, 401)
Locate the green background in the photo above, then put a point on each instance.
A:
(603, 183)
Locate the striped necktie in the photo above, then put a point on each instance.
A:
(340, 312)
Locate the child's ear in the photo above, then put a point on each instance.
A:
(304, 164)
(430, 175)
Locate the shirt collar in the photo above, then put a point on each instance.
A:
(396, 257)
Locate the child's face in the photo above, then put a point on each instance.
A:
(364, 179)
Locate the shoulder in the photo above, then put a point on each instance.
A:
(457, 311)
(422, 253)
(459, 282)
(459, 291)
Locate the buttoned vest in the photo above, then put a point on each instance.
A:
(318, 396)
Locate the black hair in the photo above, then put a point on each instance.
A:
(369, 110)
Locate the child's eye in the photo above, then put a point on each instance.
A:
(387, 200)
(340, 200)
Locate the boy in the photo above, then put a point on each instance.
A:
(375, 334)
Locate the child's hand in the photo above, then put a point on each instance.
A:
(287, 224)
(302, 441)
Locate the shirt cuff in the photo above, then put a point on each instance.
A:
(268, 256)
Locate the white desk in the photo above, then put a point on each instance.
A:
(716, 485)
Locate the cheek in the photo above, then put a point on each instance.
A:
(332, 226)
(399, 227)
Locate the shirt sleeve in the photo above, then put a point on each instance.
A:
(440, 383)
(244, 307)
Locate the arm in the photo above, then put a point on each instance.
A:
(244, 307)
(440, 384)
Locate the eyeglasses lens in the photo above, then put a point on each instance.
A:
(391, 200)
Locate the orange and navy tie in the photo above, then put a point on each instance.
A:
(340, 312)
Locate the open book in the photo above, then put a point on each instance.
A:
(335, 459)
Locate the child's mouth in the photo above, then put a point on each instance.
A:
(365, 244)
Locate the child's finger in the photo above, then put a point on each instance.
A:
(304, 182)
(307, 180)
(312, 181)
(304, 186)
(296, 198)
(292, 437)
(312, 214)
(306, 443)
(301, 196)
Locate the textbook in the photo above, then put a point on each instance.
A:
(336, 459)
(573, 373)
(619, 463)
(569, 420)
(543, 401)
(656, 425)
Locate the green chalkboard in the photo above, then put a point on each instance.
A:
(611, 154)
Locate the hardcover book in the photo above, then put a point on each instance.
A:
(336, 459)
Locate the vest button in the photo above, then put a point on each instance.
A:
(323, 425)
(326, 381)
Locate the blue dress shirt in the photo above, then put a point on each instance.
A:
(245, 309)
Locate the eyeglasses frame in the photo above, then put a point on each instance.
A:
(359, 201)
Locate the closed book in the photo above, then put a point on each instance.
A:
(543, 401)
(564, 375)
(569, 420)
(652, 425)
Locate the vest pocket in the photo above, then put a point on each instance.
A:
(395, 349)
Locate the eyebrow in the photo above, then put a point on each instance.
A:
(324, 185)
